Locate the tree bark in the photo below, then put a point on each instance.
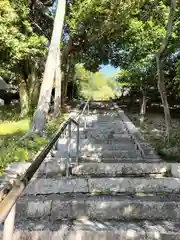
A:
(162, 91)
(40, 115)
(34, 87)
(65, 87)
(65, 80)
(160, 66)
(24, 99)
(57, 98)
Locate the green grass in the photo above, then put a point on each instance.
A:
(14, 127)
(11, 131)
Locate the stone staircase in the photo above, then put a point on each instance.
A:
(120, 189)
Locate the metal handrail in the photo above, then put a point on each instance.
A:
(86, 106)
(7, 205)
(77, 123)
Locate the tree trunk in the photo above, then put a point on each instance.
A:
(40, 115)
(143, 107)
(65, 87)
(160, 66)
(57, 98)
(122, 94)
(24, 99)
(162, 91)
(65, 81)
(34, 87)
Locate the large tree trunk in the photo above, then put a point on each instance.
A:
(160, 66)
(40, 115)
(24, 99)
(57, 98)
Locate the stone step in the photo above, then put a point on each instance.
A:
(101, 109)
(121, 169)
(113, 123)
(134, 185)
(110, 153)
(103, 135)
(106, 133)
(102, 185)
(105, 207)
(107, 128)
(103, 149)
(121, 137)
(125, 139)
(116, 160)
(95, 134)
(89, 145)
(84, 229)
(123, 154)
(53, 167)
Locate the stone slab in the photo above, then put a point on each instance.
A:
(116, 208)
(85, 229)
(131, 185)
(104, 135)
(90, 145)
(133, 154)
(113, 159)
(119, 169)
(56, 185)
(34, 207)
(125, 207)
(39, 230)
(124, 230)
(120, 207)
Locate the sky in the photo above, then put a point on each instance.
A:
(108, 70)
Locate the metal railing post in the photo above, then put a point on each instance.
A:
(85, 122)
(9, 224)
(69, 141)
(69, 149)
(88, 109)
(77, 144)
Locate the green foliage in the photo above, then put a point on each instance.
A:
(12, 149)
(142, 39)
(94, 85)
(169, 150)
(178, 71)
(18, 42)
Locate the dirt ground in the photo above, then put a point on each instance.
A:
(153, 130)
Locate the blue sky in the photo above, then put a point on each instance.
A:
(108, 70)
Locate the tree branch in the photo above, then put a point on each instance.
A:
(169, 28)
